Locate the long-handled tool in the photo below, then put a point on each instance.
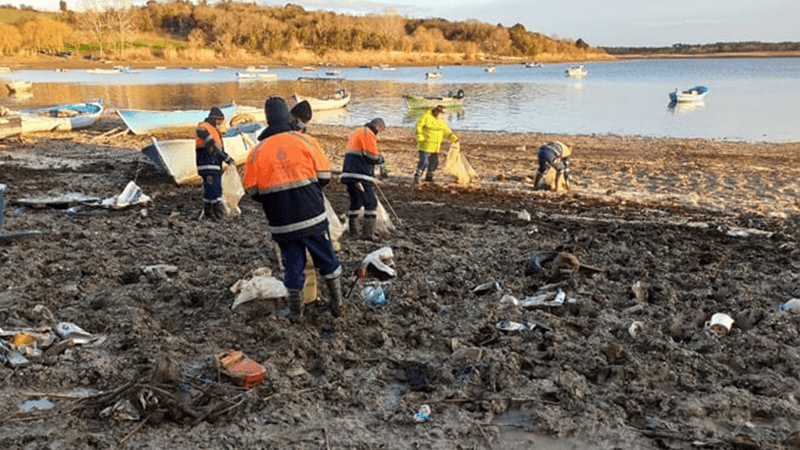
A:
(396, 217)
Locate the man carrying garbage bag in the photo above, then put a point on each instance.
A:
(429, 132)
(556, 155)
(358, 174)
(286, 172)
(209, 156)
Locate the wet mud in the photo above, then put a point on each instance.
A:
(666, 233)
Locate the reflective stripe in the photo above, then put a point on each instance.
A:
(285, 187)
(299, 225)
(211, 167)
(347, 175)
(336, 274)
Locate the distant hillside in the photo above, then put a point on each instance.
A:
(705, 49)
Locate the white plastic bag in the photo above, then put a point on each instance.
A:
(232, 190)
(335, 225)
(458, 166)
(257, 288)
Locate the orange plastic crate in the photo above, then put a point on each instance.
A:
(243, 370)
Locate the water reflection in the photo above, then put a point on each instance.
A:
(685, 108)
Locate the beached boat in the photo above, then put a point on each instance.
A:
(450, 101)
(102, 71)
(490, 69)
(576, 71)
(19, 86)
(433, 75)
(257, 69)
(144, 121)
(258, 76)
(72, 116)
(176, 157)
(338, 100)
(694, 94)
(5, 69)
(10, 126)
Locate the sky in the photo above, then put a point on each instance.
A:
(620, 23)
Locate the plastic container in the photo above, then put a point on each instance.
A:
(244, 371)
(792, 306)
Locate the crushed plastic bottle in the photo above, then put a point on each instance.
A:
(791, 306)
(375, 295)
(423, 414)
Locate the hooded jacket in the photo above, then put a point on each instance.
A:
(209, 148)
(361, 157)
(285, 172)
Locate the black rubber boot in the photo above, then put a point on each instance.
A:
(295, 304)
(335, 292)
(354, 227)
(369, 229)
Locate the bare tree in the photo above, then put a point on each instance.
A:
(94, 20)
(121, 21)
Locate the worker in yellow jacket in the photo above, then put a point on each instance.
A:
(430, 131)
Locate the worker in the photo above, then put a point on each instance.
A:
(429, 132)
(286, 172)
(358, 174)
(300, 115)
(209, 156)
(556, 155)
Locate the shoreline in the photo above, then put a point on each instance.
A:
(49, 62)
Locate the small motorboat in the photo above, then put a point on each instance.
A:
(257, 69)
(576, 71)
(339, 99)
(694, 94)
(490, 69)
(449, 101)
(19, 86)
(433, 75)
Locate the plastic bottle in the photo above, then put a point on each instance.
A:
(375, 295)
(792, 306)
(423, 414)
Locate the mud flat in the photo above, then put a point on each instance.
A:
(672, 232)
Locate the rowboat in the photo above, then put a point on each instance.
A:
(19, 86)
(338, 100)
(694, 94)
(143, 121)
(577, 71)
(433, 75)
(176, 157)
(534, 65)
(71, 116)
(451, 101)
(257, 69)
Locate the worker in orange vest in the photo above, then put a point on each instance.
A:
(358, 174)
(209, 156)
(286, 172)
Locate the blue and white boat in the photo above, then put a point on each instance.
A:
(144, 121)
(694, 94)
(71, 116)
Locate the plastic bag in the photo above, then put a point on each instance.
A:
(458, 166)
(258, 287)
(335, 225)
(383, 223)
(232, 190)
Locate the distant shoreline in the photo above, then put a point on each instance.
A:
(46, 62)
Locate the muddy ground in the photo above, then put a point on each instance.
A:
(698, 227)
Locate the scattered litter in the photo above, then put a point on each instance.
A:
(508, 325)
(635, 328)
(744, 232)
(12, 357)
(524, 215)
(633, 309)
(541, 300)
(160, 271)
(539, 258)
(485, 288)
(374, 295)
(640, 291)
(70, 331)
(424, 414)
(243, 370)
(376, 264)
(508, 298)
(257, 288)
(41, 403)
(791, 306)
(131, 195)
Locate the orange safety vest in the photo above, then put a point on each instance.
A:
(285, 161)
(213, 131)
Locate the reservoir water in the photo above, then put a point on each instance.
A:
(750, 99)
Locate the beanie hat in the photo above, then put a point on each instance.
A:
(216, 113)
(302, 111)
(276, 111)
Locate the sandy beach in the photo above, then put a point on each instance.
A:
(666, 232)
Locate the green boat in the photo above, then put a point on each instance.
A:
(419, 102)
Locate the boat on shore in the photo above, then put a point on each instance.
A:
(144, 121)
(433, 75)
(177, 157)
(577, 71)
(339, 99)
(19, 86)
(71, 116)
(695, 94)
(449, 101)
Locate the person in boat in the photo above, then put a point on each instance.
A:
(358, 174)
(430, 131)
(286, 173)
(555, 155)
(209, 156)
(300, 115)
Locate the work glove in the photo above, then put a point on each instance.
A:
(384, 172)
(455, 139)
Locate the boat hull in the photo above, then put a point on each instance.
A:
(695, 94)
(416, 102)
(142, 121)
(318, 104)
(176, 157)
(72, 116)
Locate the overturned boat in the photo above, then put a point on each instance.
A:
(144, 121)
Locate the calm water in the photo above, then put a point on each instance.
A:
(750, 99)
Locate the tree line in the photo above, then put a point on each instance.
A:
(705, 49)
(227, 27)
